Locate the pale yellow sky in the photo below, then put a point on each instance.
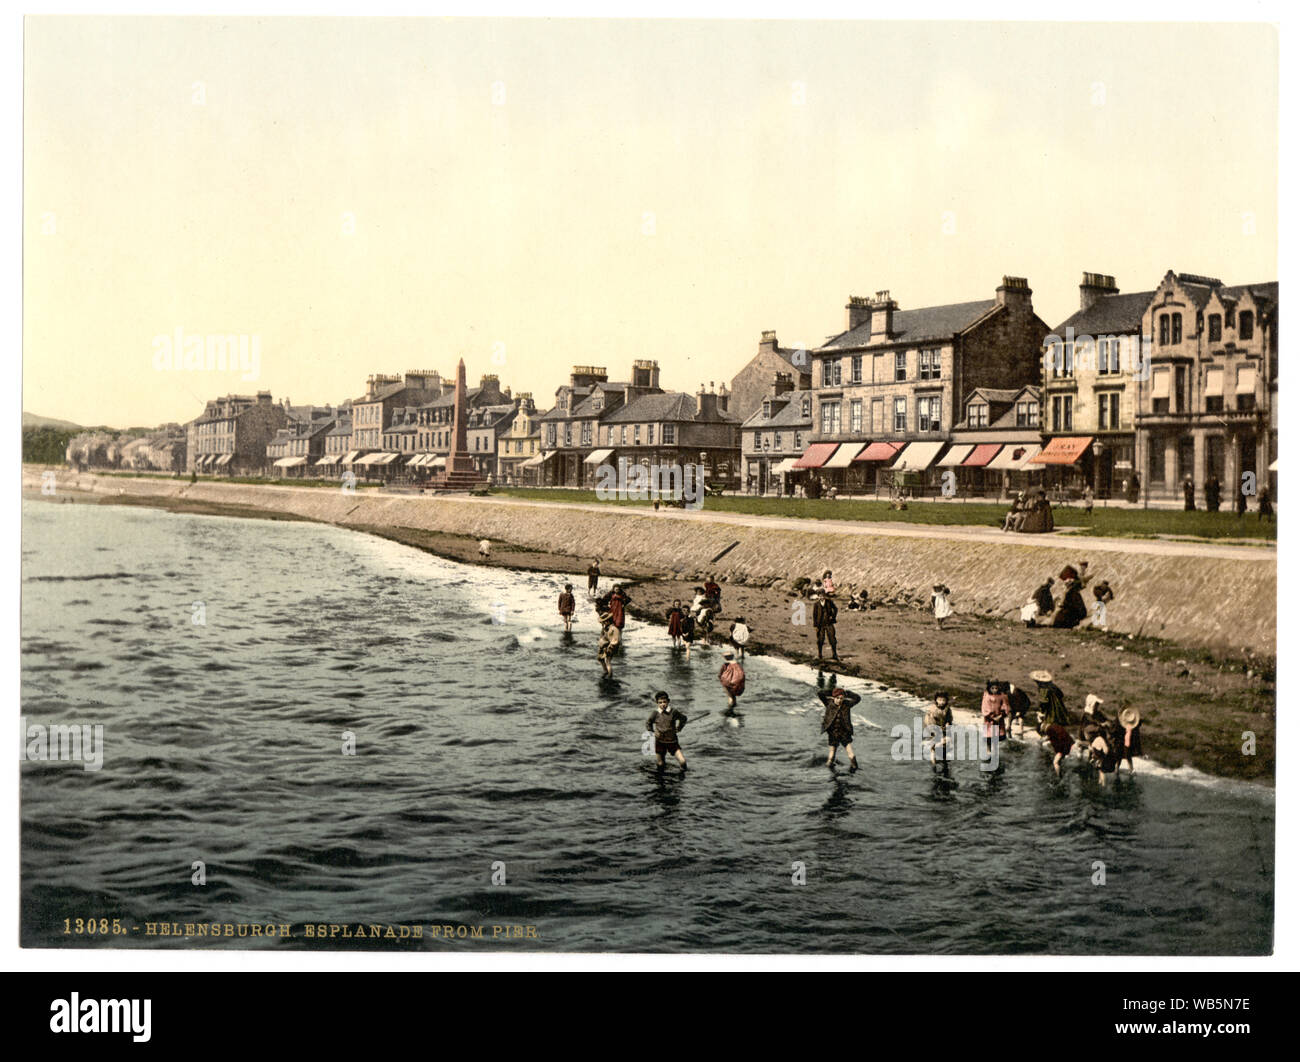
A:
(591, 192)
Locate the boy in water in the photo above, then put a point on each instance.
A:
(837, 723)
(664, 723)
(567, 605)
(610, 637)
(938, 718)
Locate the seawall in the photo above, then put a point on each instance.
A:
(1220, 597)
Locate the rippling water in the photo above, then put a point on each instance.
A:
(484, 735)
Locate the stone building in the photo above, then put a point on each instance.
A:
(897, 377)
(232, 433)
(993, 448)
(672, 429)
(750, 386)
(773, 437)
(372, 413)
(519, 448)
(1209, 407)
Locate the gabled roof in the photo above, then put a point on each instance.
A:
(788, 416)
(1109, 315)
(1264, 294)
(912, 326)
(669, 406)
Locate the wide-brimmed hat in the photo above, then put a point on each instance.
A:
(1130, 717)
(1041, 676)
(1090, 703)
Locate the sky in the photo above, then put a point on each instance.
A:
(377, 195)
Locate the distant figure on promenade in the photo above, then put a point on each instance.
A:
(732, 677)
(825, 613)
(665, 723)
(567, 606)
(1104, 595)
(1266, 504)
(739, 636)
(995, 710)
(941, 603)
(593, 579)
(1213, 494)
(938, 718)
(837, 723)
(484, 549)
(1088, 498)
(1131, 743)
(1189, 495)
(1015, 517)
(610, 639)
(675, 617)
(1134, 488)
(1241, 502)
(1051, 701)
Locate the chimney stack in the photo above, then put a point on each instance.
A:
(1094, 286)
(882, 317)
(783, 383)
(707, 404)
(857, 312)
(1014, 291)
(767, 343)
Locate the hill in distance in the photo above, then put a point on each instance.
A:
(35, 420)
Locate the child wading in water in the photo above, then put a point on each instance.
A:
(610, 637)
(664, 723)
(938, 718)
(837, 723)
(567, 605)
(732, 677)
(739, 636)
(675, 617)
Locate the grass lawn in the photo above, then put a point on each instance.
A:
(1121, 523)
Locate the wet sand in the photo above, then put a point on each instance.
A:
(1195, 705)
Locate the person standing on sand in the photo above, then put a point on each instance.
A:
(837, 723)
(941, 603)
(732, 677)
(610, 639)
(484, 549)
(674, 616)
(739, 636)
(1189, 495)
(664, 723)
(824, 616)
(1051, 701)
(1072, 611)
(567, 606)
(1213, 494)
(713, 592)
(593, 578)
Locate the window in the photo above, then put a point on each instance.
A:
(900, 366)
(855, 368)
(550, 435)
(767, 409)
(1062, 360)
(1214, 403)
(767, 442)
(1108, 360)
(1216, 328)
(636, 434)
(586, 433)
(900, 415)
(1063, 413)
(977, 415)
(1180, 388)
(622, 435)
(806, 407)
(568, 435)
(927, 413)
(670, 434)
(855, 416)
(798, 441)
(650, 434)
(929, 365)
(831, 372)
(1026, 414)
(776, 441)
(1178, 328)
(1246, 325)
(598, 400)
(830, 418)
(1108, 411)
(1164, 330)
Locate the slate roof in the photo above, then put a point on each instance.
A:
(669, 406)
(911, 326)
(788, 416)
(1109, 315)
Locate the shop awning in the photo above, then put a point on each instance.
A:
(351, 458)
(917, 457)
(784, 466)
(385, 459)
(533, 462)
(816, 455)
(224, 459)
(956, 455)
(1273, 467)
(290, 462)
(1063, 450)
(1013, 456)
(203, 461)
(597, 457)
(844, 456)
(879, 451)
(326, 461)
(982, 455)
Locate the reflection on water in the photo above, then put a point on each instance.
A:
(486, 735)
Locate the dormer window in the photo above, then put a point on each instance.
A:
(977, 415)
(806, 408)
(767, 409)
(598, 402)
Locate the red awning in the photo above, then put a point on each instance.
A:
(816, 455)
(880, 451)
(1063, 450)
(981, 455)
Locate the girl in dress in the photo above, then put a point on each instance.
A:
(675, 623)
(940, 599)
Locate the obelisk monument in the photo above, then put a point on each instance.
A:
(460, 463)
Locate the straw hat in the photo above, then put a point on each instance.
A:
(1130, 717)
(1090, 704)
(1041, 676)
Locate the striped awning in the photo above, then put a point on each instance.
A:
(956, 455)
(1063, 450)
(816, 455)
(917, 457)
(327, 460)
(880, 451)
(1015, 457)
(982, 455)
(844, 456)
(352, 456)
(224, 459)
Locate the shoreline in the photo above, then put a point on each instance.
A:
(1218, 696)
